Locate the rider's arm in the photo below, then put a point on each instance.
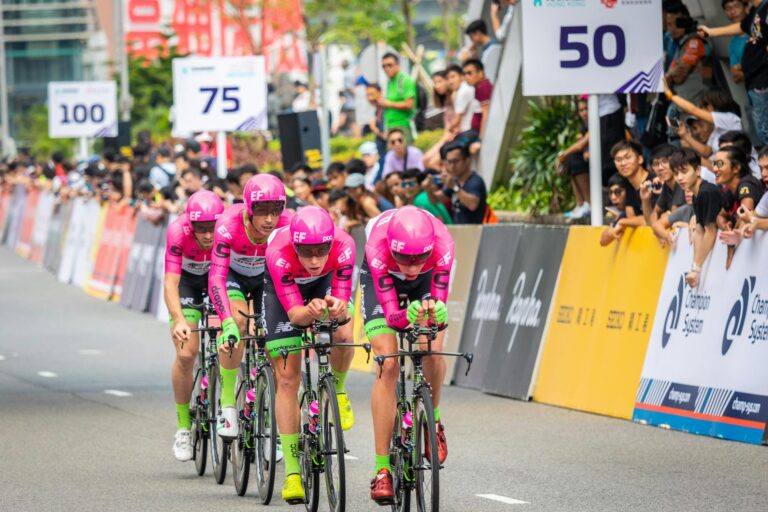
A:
(172, 297)
(344, 254)
(444, 251)
(279, 267)
(385, 288)
(173, 254)
(217, 276)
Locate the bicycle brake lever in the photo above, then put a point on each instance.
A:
(469, 358)
(367, 348)
(284, 354)
(380, 361)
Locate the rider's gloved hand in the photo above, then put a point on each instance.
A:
(441, 312)
(228, 328)
(413, 311)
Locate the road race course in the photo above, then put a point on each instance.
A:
(87, 420)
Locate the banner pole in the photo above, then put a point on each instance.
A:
(83, 150)
(595, 162)
(221, 154)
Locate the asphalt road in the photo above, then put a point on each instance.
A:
(65, 444)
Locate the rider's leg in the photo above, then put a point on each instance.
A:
(287, 406)
(434, 371)
(181, 371)
(383, 400)
(230, 364)
(341, 357)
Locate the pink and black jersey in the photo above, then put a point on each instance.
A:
(182, 252)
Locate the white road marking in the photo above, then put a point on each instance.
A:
(349, 457)
(502, 499)
(89, 352)
(116, 392)
(47, 375)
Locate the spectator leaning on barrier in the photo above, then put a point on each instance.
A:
(757, 218)
(401, 154)
(430, 197)
(628, 157)
(163, 172)
(464, 103)
(740, 140)
(670, 195)
(364, 199)
(410, 185)
(754, 61)
(617, 212)
(336, 174)
(490, 53)
(373, 169)
(400, 102)
(389, 188)
(501, 27)
(463, 186)
(707, 206)
(475, 76)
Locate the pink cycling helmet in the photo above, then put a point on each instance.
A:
(262, 188)
(311, 226)
(410, 232)
(204, 206)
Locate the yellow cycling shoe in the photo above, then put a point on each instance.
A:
(345, 411)
(293, 491)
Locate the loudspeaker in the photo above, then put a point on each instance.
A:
(123, 139)
(300, 139)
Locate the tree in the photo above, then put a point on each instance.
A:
(448, 28)
(32, 132)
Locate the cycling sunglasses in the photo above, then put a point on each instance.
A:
(313, 250)
(204, 227)
(274, 208)
(411, 259)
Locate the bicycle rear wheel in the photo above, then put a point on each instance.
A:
(219, 449)
(200, 427)
(331, 447)
(266, 434)
(426, 469)
(242, 447)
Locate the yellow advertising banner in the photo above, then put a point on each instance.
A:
(601, 322)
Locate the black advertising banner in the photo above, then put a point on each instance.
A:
(493, 268)
(141, 261)
(525, 306)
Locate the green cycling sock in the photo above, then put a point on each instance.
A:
(182, 415)
(290, 444)
(339, 378)
(228, 378)
(437, 414)
(382, 462)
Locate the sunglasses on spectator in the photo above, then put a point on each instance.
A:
(395, 141)
(274, 208)
(717, 164)
(411, 259)
(615, 191)
(409, 183)
(454, 161)
(387, 65)
(313, 250)
(203, 227)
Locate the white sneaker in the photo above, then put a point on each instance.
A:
(278, 449)
(226, 424)
(182, 446)
(581, 211)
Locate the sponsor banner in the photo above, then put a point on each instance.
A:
(5, 207)
(495, 258)
(115, 232)
(601, 321)
(72, 240)
(54, 246)
(43, 216)
(141, 261)
(24, 241)
(704, 370)
(88, 244)
(524, 311)
(467, 240)
(15, 215)
(157, 304)
(124, 249)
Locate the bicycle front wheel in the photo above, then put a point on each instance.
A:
(308, 452)
(242, 447)
(425, 459)
(266, 434)
(401, 471)
(331, 440)
(219, 449)
(200, 426)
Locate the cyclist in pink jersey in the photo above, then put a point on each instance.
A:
(408, 253)
(309, 277)
(187, 257)
(237, 272)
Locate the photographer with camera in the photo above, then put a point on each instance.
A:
(690, 71)
(431, 197)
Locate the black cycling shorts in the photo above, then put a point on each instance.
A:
(240, 287)
(373, 314)
(192, 290)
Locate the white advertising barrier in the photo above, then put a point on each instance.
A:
(82, 109)
(161, 311)
(85, 255)
(220, 94)
(705, 369)
(73, 241)
(591, 47)
(43, 215)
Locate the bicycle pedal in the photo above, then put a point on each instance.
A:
(295, 502)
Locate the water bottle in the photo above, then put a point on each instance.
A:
(407, 427)
(314, 411)
(250, 397)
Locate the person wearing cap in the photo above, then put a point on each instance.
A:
(320, 194)
(362, 198)
(370, 154)
(303, 99)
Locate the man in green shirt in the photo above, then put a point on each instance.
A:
(400, 102)
(428, 198)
